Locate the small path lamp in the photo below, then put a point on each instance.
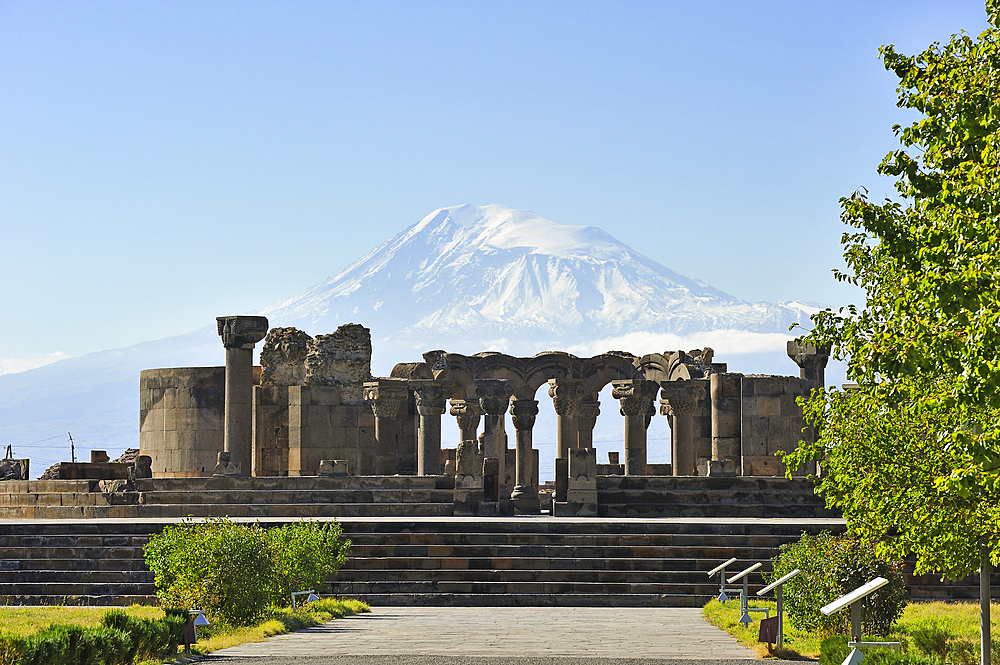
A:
(195, 618)
(855, 600)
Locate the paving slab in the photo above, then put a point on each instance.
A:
(496, 635)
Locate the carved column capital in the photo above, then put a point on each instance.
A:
(523, 412)
(386, 396)
(567, 396)
(680, 398)
(807, 356)
(241, 332)
(468, 412)
(430, 396)
(635, 396)
(590, 408)
(494, 396)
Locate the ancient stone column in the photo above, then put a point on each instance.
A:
(386, 396)
(431, 404)
(567, 399)
(590, 408)
(525, 494)
(726, 424)
(811, 361)
(494, 398)
(239, 334)
(467, 411)
(678, 401)
(636, 399)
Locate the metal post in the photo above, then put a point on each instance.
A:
(984, 608)
(856, 621)
(781, 618)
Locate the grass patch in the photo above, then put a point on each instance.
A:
(24, 621)
(953, 625)
(276, 621)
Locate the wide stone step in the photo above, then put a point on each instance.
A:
(534, 600)
(555, 552)
(236, 497)
(463, 587)
(629, 576)
(488, 539)
(36, 574)
(688, 497)
(109, 600)
(539, 563)
(614, 510)
(73, 588)
(296, 483)
(698, 483)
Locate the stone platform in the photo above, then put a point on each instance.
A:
(540, 561)
(392, 496)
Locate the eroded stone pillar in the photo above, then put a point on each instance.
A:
(590, 408)
(525, 494)
(494, 398)
(239, 334)
(636, 399)
(567, 399)
(467, 412)
(811, 361)
(431, 402)
(386, 397)
(678, 401)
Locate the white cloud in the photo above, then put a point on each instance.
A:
(723, 342)
(14, 365)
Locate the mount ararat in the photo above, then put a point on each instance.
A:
(465, 279)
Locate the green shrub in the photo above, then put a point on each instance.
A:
(831, 567)
(234, 570)
(220, 566)
(305, 554)
(149, 639)
(931, 640)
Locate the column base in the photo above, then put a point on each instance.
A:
(722, 468)
(525, 500)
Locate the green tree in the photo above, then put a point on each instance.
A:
(913, 456)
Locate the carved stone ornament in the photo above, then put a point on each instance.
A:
(468, 412)
(494, 396)
(636, 397)
(386, 396)
(807, 356)
(431, 398)
(523, 412)
(283, 357)
(241, 332)
(567, 395)
(590, 408)
(680, 398)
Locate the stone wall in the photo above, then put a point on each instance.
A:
(181, 412)
(771, 421)
(321, 427)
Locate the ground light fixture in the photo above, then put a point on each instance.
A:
(721, 569)
(311, 597)
(195, 618)
(855, 600)
(745, 593)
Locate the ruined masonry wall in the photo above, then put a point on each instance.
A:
(771, 421)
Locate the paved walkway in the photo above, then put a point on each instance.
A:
(499, 635)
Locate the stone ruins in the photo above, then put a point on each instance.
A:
(313, 409)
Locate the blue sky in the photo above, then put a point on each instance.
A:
(162, 163)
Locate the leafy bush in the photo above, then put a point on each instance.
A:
(234, 570)
(305, 554)
(220, 566)
(832, 566)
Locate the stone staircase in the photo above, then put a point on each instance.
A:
(693, 496)
(539, 561)
(289, 497)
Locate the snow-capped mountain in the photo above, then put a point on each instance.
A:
(465, 279)
(472, 273)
